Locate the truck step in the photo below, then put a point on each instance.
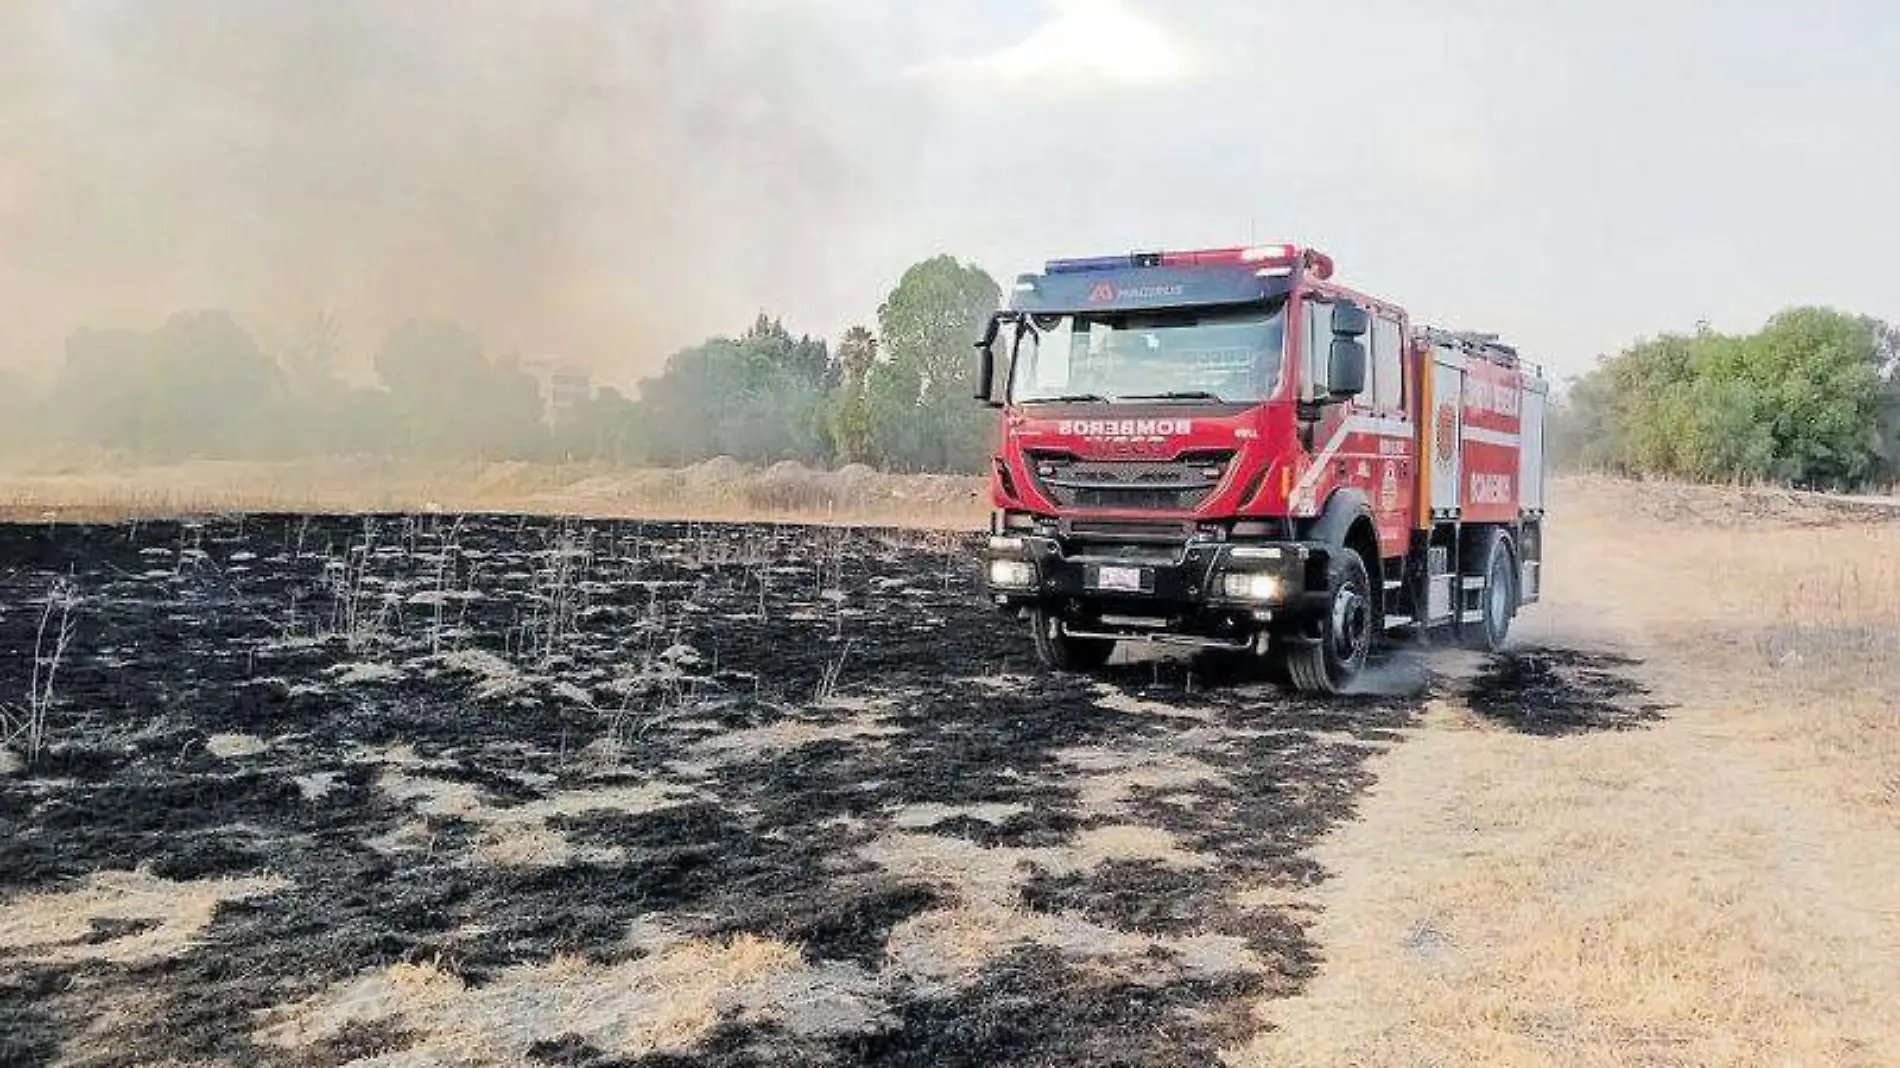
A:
(1472, 582)
(1394, 584)
(1393, 622)
(1471, 615)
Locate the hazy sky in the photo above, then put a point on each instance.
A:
(608, 181)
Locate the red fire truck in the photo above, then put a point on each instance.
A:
(1228, 449)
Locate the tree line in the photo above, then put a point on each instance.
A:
(1811, 399)
(201, 386)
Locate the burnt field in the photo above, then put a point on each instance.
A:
(495, 791)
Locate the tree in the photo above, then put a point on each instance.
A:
(1889, 450)
(99, 396)
(928, 322)
(213, 390)
(1819, 372)
(893, 397)
(602, 427)
(1801, 401)
(450, 401)
(197, 386)
(760, 396)
(322, 414)
(851, 413)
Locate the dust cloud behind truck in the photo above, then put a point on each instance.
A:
(1228, 449)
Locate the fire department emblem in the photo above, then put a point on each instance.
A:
(1445, 437)
(1102, 291)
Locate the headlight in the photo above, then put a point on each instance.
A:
(1242, 586)
(1004, 543)
(1018, 574)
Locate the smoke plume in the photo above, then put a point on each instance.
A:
(588, 181)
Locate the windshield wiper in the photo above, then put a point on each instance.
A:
(1177, 394)
(1067, 398)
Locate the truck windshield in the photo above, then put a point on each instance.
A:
(1195, 354)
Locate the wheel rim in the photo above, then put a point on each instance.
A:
(1351, 619)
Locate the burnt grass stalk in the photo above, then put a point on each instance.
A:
(656, 634)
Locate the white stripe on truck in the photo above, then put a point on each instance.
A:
(1490, 437)
(1301, 498)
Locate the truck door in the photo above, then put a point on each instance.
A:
(1365, 443)
(1389, 445)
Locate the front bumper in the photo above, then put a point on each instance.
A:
(1177, 587)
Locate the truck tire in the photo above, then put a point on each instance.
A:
(1061, 652)
(1497, 599)
(1329, 663)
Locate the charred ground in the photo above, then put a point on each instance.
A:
(487, 789)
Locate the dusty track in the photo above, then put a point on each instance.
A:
(1722, 888)
(439, 791)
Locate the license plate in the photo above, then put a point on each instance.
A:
(1118, 578)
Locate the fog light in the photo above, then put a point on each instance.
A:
(1245, 587)
(1017, 574)
(1255, 552)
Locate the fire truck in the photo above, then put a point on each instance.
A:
(1228, 449)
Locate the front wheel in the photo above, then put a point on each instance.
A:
(1063, 652)
(1329, 662)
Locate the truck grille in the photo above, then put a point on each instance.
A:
(1177, 485)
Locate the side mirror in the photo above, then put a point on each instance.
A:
(1346, 367)
(1350, 320)
(986, 362)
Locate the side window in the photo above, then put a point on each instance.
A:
(1387, 385)
(1315, 346)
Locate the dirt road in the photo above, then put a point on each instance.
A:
(1722, 888)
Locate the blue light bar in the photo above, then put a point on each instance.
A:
(1089, 263)
(1132, 288)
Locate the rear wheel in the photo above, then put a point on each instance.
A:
(1329, 662)
(1063, 652)
(1497, 599)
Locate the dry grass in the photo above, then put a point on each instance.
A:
(122, 917)
(1721, 889)
(928, 814)
(1110, 778)
(518, 835)
(663, 1001)
(98, 490)
(1794, 604)
(759, 743)
(987, 920)
(235, 746)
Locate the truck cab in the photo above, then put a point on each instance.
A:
(1228, 449)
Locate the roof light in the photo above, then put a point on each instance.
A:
(1259, 253)
(1266, 256)
(1089, 263)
